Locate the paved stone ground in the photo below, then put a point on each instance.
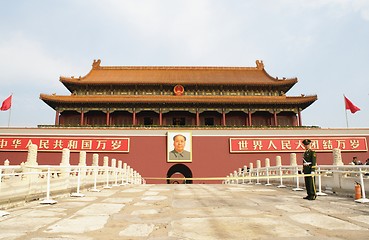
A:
(189, 212)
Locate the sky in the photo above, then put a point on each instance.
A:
(324, 43)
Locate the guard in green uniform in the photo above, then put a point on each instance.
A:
(309, 166)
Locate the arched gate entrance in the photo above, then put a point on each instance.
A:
(179, 171)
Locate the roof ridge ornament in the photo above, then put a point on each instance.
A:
(96, 64)
(259, 64)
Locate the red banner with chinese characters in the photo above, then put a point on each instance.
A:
(288, 144)
(88, 144)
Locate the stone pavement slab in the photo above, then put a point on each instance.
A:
(199, 211)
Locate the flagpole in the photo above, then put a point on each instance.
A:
(10, 112)
(345, 111)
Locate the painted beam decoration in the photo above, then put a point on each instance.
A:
(50, 144)
(288, 144)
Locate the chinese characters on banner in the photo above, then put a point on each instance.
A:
(88, 144)
(286, 144)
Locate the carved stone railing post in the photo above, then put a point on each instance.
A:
(244, 171)
(124, 175)
(65, 163)
(267, 171)
(6, 171)
(258, 166)
(294, 169)
(120, 164)
(6, 162)
(32, 155)
(106, 165)
(82, 163)
(251, 169)
(235, 174)
(135, 175)
(337, 157)
(278, 161)
(230, 180)
(113, 163)
(337, 161)
(95, 159)
(293, 161)
(95, 164)
(31, 162)
(267, 162)
(129, 177)
(114, 171)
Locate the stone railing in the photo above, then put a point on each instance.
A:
(332, 179)
(31, 181)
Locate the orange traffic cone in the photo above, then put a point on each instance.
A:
(357, 191)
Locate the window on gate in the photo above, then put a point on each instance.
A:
(209, 121)
(148, 121)
(179, 121)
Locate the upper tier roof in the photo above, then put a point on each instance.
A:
(169, 75)
(55, 100)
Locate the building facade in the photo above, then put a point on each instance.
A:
(230, 117)
(178, 96)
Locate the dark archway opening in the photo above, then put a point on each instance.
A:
(179, 170)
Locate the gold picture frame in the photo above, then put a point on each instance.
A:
(179, 146)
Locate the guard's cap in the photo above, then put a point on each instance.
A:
(306, 141)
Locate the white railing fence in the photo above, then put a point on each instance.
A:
(30, 181)
(330, 179)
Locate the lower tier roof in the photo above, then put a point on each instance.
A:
(55, 101)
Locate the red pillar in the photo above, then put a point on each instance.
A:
(299, 115)
(82, 118)
(107, 118)
(197, 118)
(134, 117)
(275, 119)
(57, 118)
(224, 118)
(250, 120)
(160, 117)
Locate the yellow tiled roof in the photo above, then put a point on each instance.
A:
(54, 100)
(105, 75)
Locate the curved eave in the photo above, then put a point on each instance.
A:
(54, 100)
(107, 82)
(169, 75)
(283, 85)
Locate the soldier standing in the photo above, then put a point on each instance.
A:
(309, 166)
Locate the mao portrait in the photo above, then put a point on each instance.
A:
(179, 147)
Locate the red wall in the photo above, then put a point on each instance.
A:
(211, 157)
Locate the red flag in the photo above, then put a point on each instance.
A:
(350, 106)
(7, 104)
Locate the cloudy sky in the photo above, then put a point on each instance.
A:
(324, 43)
